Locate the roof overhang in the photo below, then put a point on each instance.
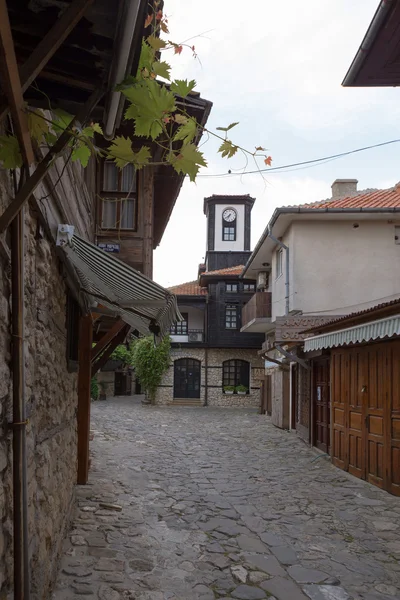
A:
(366, 332)
(283, 217)
(377, 60)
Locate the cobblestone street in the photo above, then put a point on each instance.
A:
(200, 503)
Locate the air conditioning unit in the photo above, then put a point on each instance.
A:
(262, 280)
(195, 336)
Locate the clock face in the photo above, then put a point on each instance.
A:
(229, 215)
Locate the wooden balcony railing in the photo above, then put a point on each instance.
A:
(259, 306)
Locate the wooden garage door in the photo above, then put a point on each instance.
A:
(366, 413)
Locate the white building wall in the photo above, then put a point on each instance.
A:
(337, 268)
(219, 244)
(277, 284)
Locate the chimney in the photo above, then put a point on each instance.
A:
(341, 188)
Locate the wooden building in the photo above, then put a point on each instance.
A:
(355, 395)
(209, 352)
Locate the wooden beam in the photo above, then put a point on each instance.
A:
(48, 46)
(84, 380)
(119, 338)
(12, 86)
(33, 181)
(106, 339)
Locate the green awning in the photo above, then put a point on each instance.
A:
(380, 329)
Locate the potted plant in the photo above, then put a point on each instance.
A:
(229, 389)
(241, 390)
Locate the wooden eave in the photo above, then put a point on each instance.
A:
(377, 62)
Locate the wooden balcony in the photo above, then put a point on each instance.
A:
(256, 314)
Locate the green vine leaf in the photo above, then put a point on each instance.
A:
(147, 56)
(62, 121)
(228, 149)
(142, 157)
(37, 125)
(162, 69)
(156, 43)
(182, 87)
(187, 131)
(81, 153)
(180, 119)
(121, 151)
(151, 102)
(10, 155)
(188, 161)
(227, 128)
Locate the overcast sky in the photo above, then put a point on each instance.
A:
(277, 67)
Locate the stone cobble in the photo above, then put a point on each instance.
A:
(203, 503)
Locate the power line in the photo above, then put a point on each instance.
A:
(300, 164)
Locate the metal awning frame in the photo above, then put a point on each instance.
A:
(358, 334)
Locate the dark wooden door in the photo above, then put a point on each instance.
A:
(376, 395)
(322, 405)
(119, 384)
(366, 413)
(187, 378)
(295, 396)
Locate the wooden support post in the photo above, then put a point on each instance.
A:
(47, 47)
(33, 181)
(11, 84)
(106, 339)
(84, 380)
(118, 339)
(148, 220)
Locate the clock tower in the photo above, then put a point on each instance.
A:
(228, 230)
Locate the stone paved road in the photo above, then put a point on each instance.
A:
(220, 504)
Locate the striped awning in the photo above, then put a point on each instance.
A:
(382, 328)
(108, 281)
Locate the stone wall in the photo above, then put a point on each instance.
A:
(215, 394)
(51, 399)
(105, 379)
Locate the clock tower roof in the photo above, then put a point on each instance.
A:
(228, 199)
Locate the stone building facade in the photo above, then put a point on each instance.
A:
(51, 400)
(212, 393)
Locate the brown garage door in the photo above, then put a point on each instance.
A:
(366, 413)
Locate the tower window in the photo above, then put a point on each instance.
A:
(229, 219)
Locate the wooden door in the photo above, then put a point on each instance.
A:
(295, 386)
(366, 413)
(322, 405)
(119, 384)
(392, 451)
(187, 378)
(376, 396)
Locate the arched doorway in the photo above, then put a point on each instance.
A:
(187, 378)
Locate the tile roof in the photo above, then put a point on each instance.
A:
(389, 198)
(228, 271)
(191, 288)
(364, 314)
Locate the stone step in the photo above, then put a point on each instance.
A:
(186, 402)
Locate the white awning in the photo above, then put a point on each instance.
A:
(382, 328)
(138, 300)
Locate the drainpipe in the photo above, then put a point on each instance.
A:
(206, 355)
(122, 65)
(286, 248)
(20, 499)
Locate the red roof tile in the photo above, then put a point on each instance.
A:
(368, 199)
(191, 288)
(238, 270)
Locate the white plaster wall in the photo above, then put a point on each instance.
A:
(219, 244)
(195, 317)
(337, 269)
(277, 284)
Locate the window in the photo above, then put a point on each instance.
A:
(232, 288)
(229, 218)
(118, 209)
(236, 372)
(180, 328)
(72, 326)
(231, 316)
(279, 262)
(249, 287)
